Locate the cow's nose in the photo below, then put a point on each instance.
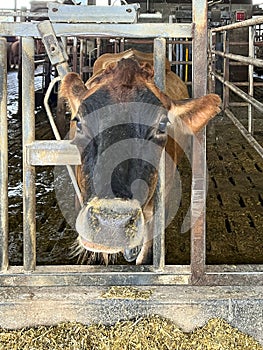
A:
(112, 223)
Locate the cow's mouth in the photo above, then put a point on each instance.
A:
(111, 226)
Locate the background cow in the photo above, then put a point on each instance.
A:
(121, 124)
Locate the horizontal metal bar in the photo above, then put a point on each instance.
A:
(238, 104)
(96, 14)
(128, 275)
(249, 60)
(245, 133)
(239, 92)
(243, 24)
(19, 13)
(246, 83)
(137, 30)
(52, 153)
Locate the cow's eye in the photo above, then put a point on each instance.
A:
(78, 123)
(163, 125)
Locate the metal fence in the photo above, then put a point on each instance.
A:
(223, 77)
(52, 153)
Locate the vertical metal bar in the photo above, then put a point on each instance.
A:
(210, 62)
(198, 192)
(159, 218)
(81, 57)
(250, 76)
(28, 130)
(226, 70)
(75, 54)
(181, 59)
(3, 158)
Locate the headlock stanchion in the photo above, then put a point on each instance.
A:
(61, 283)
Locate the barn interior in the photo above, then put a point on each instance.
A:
(231, 247)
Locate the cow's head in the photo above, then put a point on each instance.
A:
(121, 127)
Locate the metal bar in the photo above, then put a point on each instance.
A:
(226, 69)
(58, 137)
(28, 131)
(211, 83)
(81, 57)
(137, 30)
(52, 153)
(239, 92)
(54, 48)
(106, 276)
(92, 13)
(3, 158)
(198, 190)
(159, 215)
(243, 24)
(250, 139)
(250, 76)
(249, 60)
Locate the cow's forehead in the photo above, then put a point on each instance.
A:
(144, 107)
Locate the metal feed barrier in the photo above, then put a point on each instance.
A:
(90, 280)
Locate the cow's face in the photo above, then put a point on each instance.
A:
(121, 130)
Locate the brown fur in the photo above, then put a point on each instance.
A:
(121, 75)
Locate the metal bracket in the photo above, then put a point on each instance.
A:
(54, 48)
(93, 14)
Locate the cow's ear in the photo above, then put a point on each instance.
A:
(195, 112)
(73, 89)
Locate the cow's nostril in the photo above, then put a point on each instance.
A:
(113, 223)
(131, 254)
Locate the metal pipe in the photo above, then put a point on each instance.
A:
(3, 158)
(170, 45)
(245, 133)
(28, 132)
(159, 214)
(58, 137)
(186, 66)
(81, 58)
(198, 189)
(226, 69)
(248, 60)
(239, 92)
(246, 23)
(250, 76)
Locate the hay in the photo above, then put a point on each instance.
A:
(122, 292)
(148, 333)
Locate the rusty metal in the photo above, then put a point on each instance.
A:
(28, 132)
(3, 158)
(198, 190)
(159, 220)
(54, 48)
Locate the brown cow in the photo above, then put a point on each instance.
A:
(123, 122)
(13, 54)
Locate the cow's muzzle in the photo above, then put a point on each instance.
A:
(111, 226)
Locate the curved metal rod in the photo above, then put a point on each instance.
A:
(58, 137)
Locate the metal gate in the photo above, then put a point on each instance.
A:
(53, 153)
